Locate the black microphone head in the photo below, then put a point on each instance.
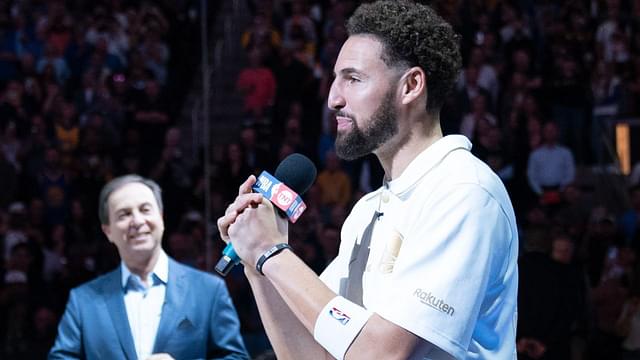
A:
(297, 172)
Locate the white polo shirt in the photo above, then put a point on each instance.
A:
(443, 257)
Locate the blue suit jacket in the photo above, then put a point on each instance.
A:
(198, 320)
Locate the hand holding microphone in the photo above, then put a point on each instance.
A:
(249, 218)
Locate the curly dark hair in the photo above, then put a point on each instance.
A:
(413, 34)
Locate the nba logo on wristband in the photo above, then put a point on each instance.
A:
(339, 315)
(338, 324)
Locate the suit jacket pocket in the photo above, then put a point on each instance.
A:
(185, 325)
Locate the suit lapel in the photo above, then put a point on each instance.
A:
(114, 298)
(172, 310)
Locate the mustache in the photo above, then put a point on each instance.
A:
(341, 113)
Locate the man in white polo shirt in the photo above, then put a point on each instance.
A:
(427, 264)
(446, 233)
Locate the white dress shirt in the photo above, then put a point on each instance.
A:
(144, 304)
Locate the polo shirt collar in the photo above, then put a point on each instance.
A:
(160, 270)
(427, 160)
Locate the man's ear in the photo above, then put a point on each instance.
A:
(106, 231)
(414, 85)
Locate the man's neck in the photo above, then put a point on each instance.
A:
(143, 266)
(397, 156)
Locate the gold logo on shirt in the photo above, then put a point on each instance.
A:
(390, 254)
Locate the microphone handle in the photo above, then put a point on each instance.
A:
(228, 260)
(229, 257)
(288, 204)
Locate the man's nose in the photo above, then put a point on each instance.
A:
(335, 100)
(136, 219)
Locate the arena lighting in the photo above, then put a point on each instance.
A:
(623, 147)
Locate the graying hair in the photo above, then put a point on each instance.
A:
(117, 183)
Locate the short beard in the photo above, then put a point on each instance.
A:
(381, 127)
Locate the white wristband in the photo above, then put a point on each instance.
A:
(338, 324)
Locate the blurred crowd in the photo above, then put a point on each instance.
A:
(92, 90)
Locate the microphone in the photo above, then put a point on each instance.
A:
(293, 177)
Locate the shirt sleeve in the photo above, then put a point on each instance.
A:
(451, 250)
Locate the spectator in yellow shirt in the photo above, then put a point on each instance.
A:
(334, 182)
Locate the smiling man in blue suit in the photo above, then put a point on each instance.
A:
(151, 307)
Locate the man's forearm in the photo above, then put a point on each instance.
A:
(288, 337)
(301, 293)
(299, 287)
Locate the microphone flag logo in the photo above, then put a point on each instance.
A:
(280, 195)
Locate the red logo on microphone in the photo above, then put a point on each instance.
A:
(282, 196)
